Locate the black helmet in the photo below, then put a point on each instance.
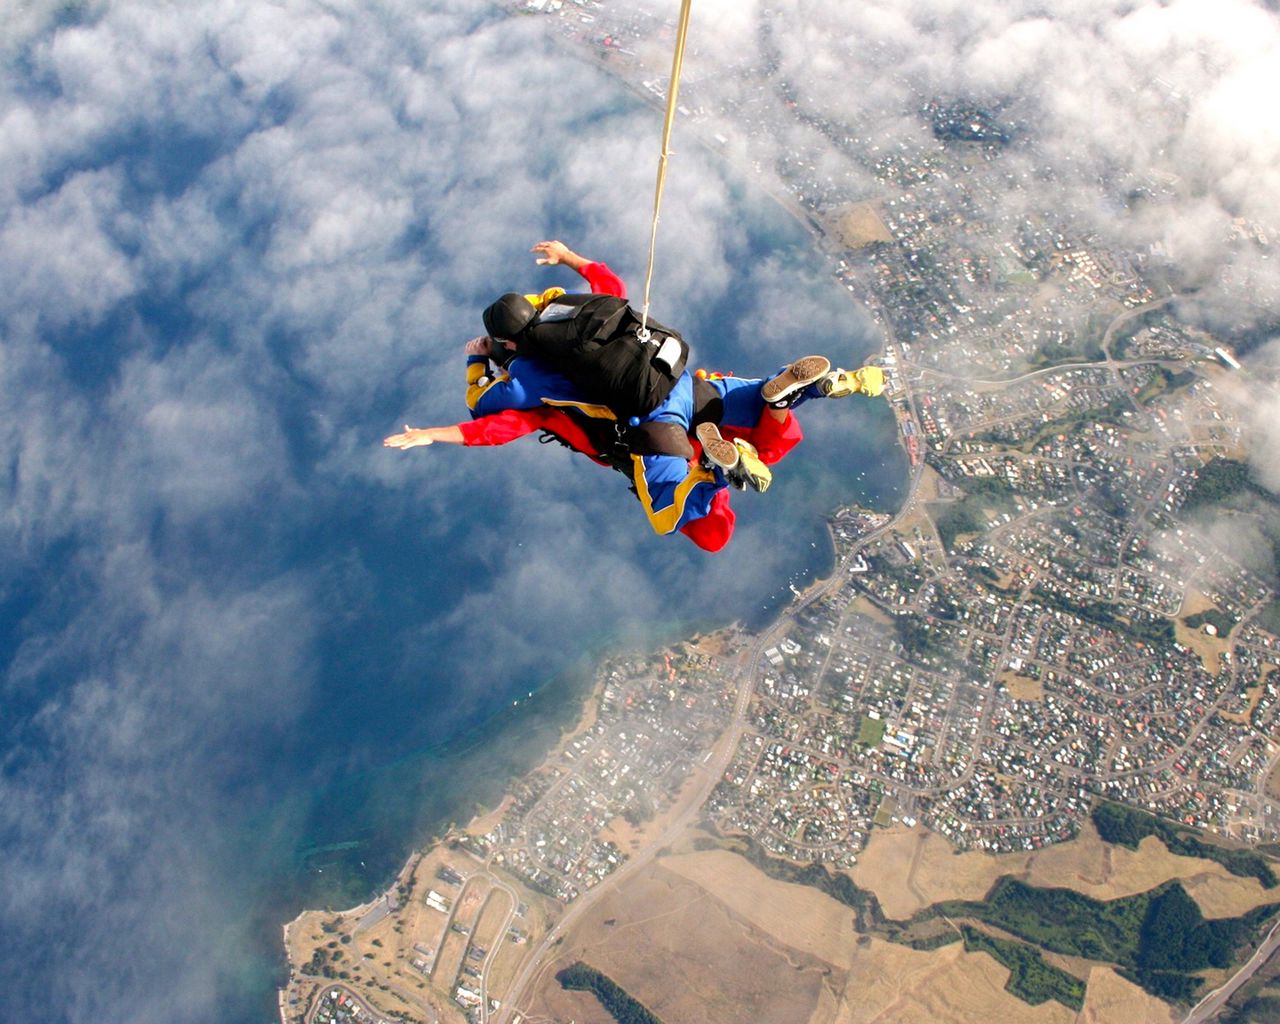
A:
(507, 317)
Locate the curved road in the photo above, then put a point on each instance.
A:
(1217, 999)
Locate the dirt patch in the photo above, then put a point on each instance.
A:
(1209, 648)
(1225, 895)
(860, 225)
(929, 488)
(629, 838)
(1109, 998)
(713, 645)
(484, 823)
(1022, 687)
(863, 605)
(685, 956)
(891, 984)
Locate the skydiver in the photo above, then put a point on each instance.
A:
(712, 433)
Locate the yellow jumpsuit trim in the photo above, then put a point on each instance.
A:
(539, 301)
(477, 372)
(664, 521)
(595, 412)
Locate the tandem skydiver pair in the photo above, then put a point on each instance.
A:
(584, 370)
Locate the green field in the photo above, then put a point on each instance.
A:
(871, 731)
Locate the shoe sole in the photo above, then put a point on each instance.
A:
(795, 377)
(718, 451)
(839, 384)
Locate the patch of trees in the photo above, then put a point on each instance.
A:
(1161, 381)
(955, 518)
(1246, 339)
(922, 641)
(1220, 480)
(1030, 978)
(1159, 937)
(621, 1007)
(984, 496)
(1215, 617)
(1261, 1009)
(1128, 826)
(1112, 412)
(1141, 626)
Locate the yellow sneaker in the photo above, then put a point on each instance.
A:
(840, 383)
(750, 472)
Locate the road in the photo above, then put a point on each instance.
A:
(1215, 1000)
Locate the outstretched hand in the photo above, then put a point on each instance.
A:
(554, 252)
(413, 437)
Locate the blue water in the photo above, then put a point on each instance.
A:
(219, 711)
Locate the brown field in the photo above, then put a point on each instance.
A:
(1226, 895)
(798, 916)
(863, 605)
(630, 838)
(686, 957)
(707, 937)
(1110, 999)
(908, 869)
(928, 489)
(861, 225)
(488, 931)
(895, 985)
(1022, 688)
(713, 645)
(466, 911)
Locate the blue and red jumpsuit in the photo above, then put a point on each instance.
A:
(677, 495)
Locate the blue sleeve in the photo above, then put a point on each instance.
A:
(524, 384)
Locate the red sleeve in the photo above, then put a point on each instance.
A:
(511, 424)
(603, 281)
(500, 427)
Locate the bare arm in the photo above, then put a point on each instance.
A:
(414, 437)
